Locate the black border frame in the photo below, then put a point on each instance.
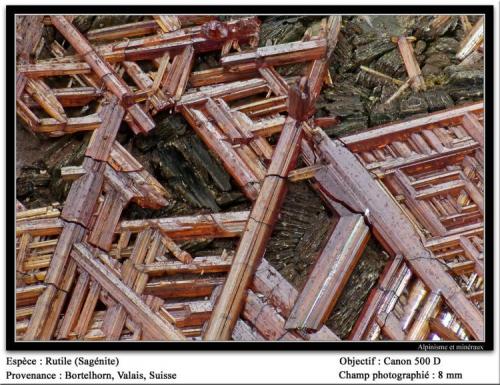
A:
(486, 345)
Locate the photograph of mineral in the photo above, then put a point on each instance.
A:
(249, 178)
